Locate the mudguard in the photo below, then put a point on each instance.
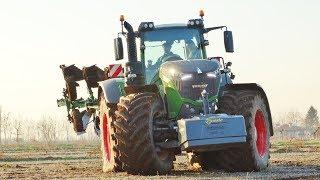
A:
(112, 89)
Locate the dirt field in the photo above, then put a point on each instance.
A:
(296, 159)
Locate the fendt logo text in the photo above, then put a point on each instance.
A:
(200, 86)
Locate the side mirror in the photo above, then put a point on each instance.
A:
(228, 41)
(205, 42)
(118, 48)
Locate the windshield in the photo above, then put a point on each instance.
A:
(169, 45)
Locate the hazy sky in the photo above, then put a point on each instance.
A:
(277, 44)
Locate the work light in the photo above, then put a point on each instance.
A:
(146, 26)
(196, 23)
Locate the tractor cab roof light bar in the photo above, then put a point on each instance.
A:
(146, 26)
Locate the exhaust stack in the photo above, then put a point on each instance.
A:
(134, 75)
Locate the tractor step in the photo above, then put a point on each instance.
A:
(211, 132)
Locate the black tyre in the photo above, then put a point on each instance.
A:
(254, 155)
(134, 133)
(110, 156)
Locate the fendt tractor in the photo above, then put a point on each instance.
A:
(172, 100)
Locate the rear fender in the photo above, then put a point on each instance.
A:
(255, 87)
(112, 89)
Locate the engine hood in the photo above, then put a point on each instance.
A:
(189, 67)
(185, 80)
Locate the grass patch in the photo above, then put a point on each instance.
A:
(49, 158)
(37, 146)
(295, 146)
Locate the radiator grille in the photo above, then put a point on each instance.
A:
(193, 87)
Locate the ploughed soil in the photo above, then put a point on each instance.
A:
(289, 160)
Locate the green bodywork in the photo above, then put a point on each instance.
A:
(174, 99)
(90, 102)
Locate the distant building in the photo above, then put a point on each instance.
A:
(291, 131)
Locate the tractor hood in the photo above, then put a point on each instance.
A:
(188, 67)
(185, 80)
(191, 77)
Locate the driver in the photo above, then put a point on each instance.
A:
(168, 55)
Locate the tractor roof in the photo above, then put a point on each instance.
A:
(173, 25)
(149, 26)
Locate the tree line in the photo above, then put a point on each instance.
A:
(309, 120)
(48, 129)
(16, 128)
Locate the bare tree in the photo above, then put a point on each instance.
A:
(17, 126)
(66, 128)
(292, 117)
(6, 125)
(47, 129)
(295, 117)
(30, 132)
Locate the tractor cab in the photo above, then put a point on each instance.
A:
(168, 42)
(165, 43)
(173, 58)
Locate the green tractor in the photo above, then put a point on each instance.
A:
(173, 99)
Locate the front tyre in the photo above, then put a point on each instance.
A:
(254, 154)
(136, 116)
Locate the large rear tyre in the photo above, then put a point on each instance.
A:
(254, 154)
(110, 156)
(134, 126)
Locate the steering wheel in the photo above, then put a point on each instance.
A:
(172, 57)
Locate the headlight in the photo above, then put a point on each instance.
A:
(185, 77)
(213, 74)
(172, 72)
(170, 75)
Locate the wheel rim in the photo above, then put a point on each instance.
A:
(106, 137)
(261, 133)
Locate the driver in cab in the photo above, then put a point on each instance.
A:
(168, 55)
